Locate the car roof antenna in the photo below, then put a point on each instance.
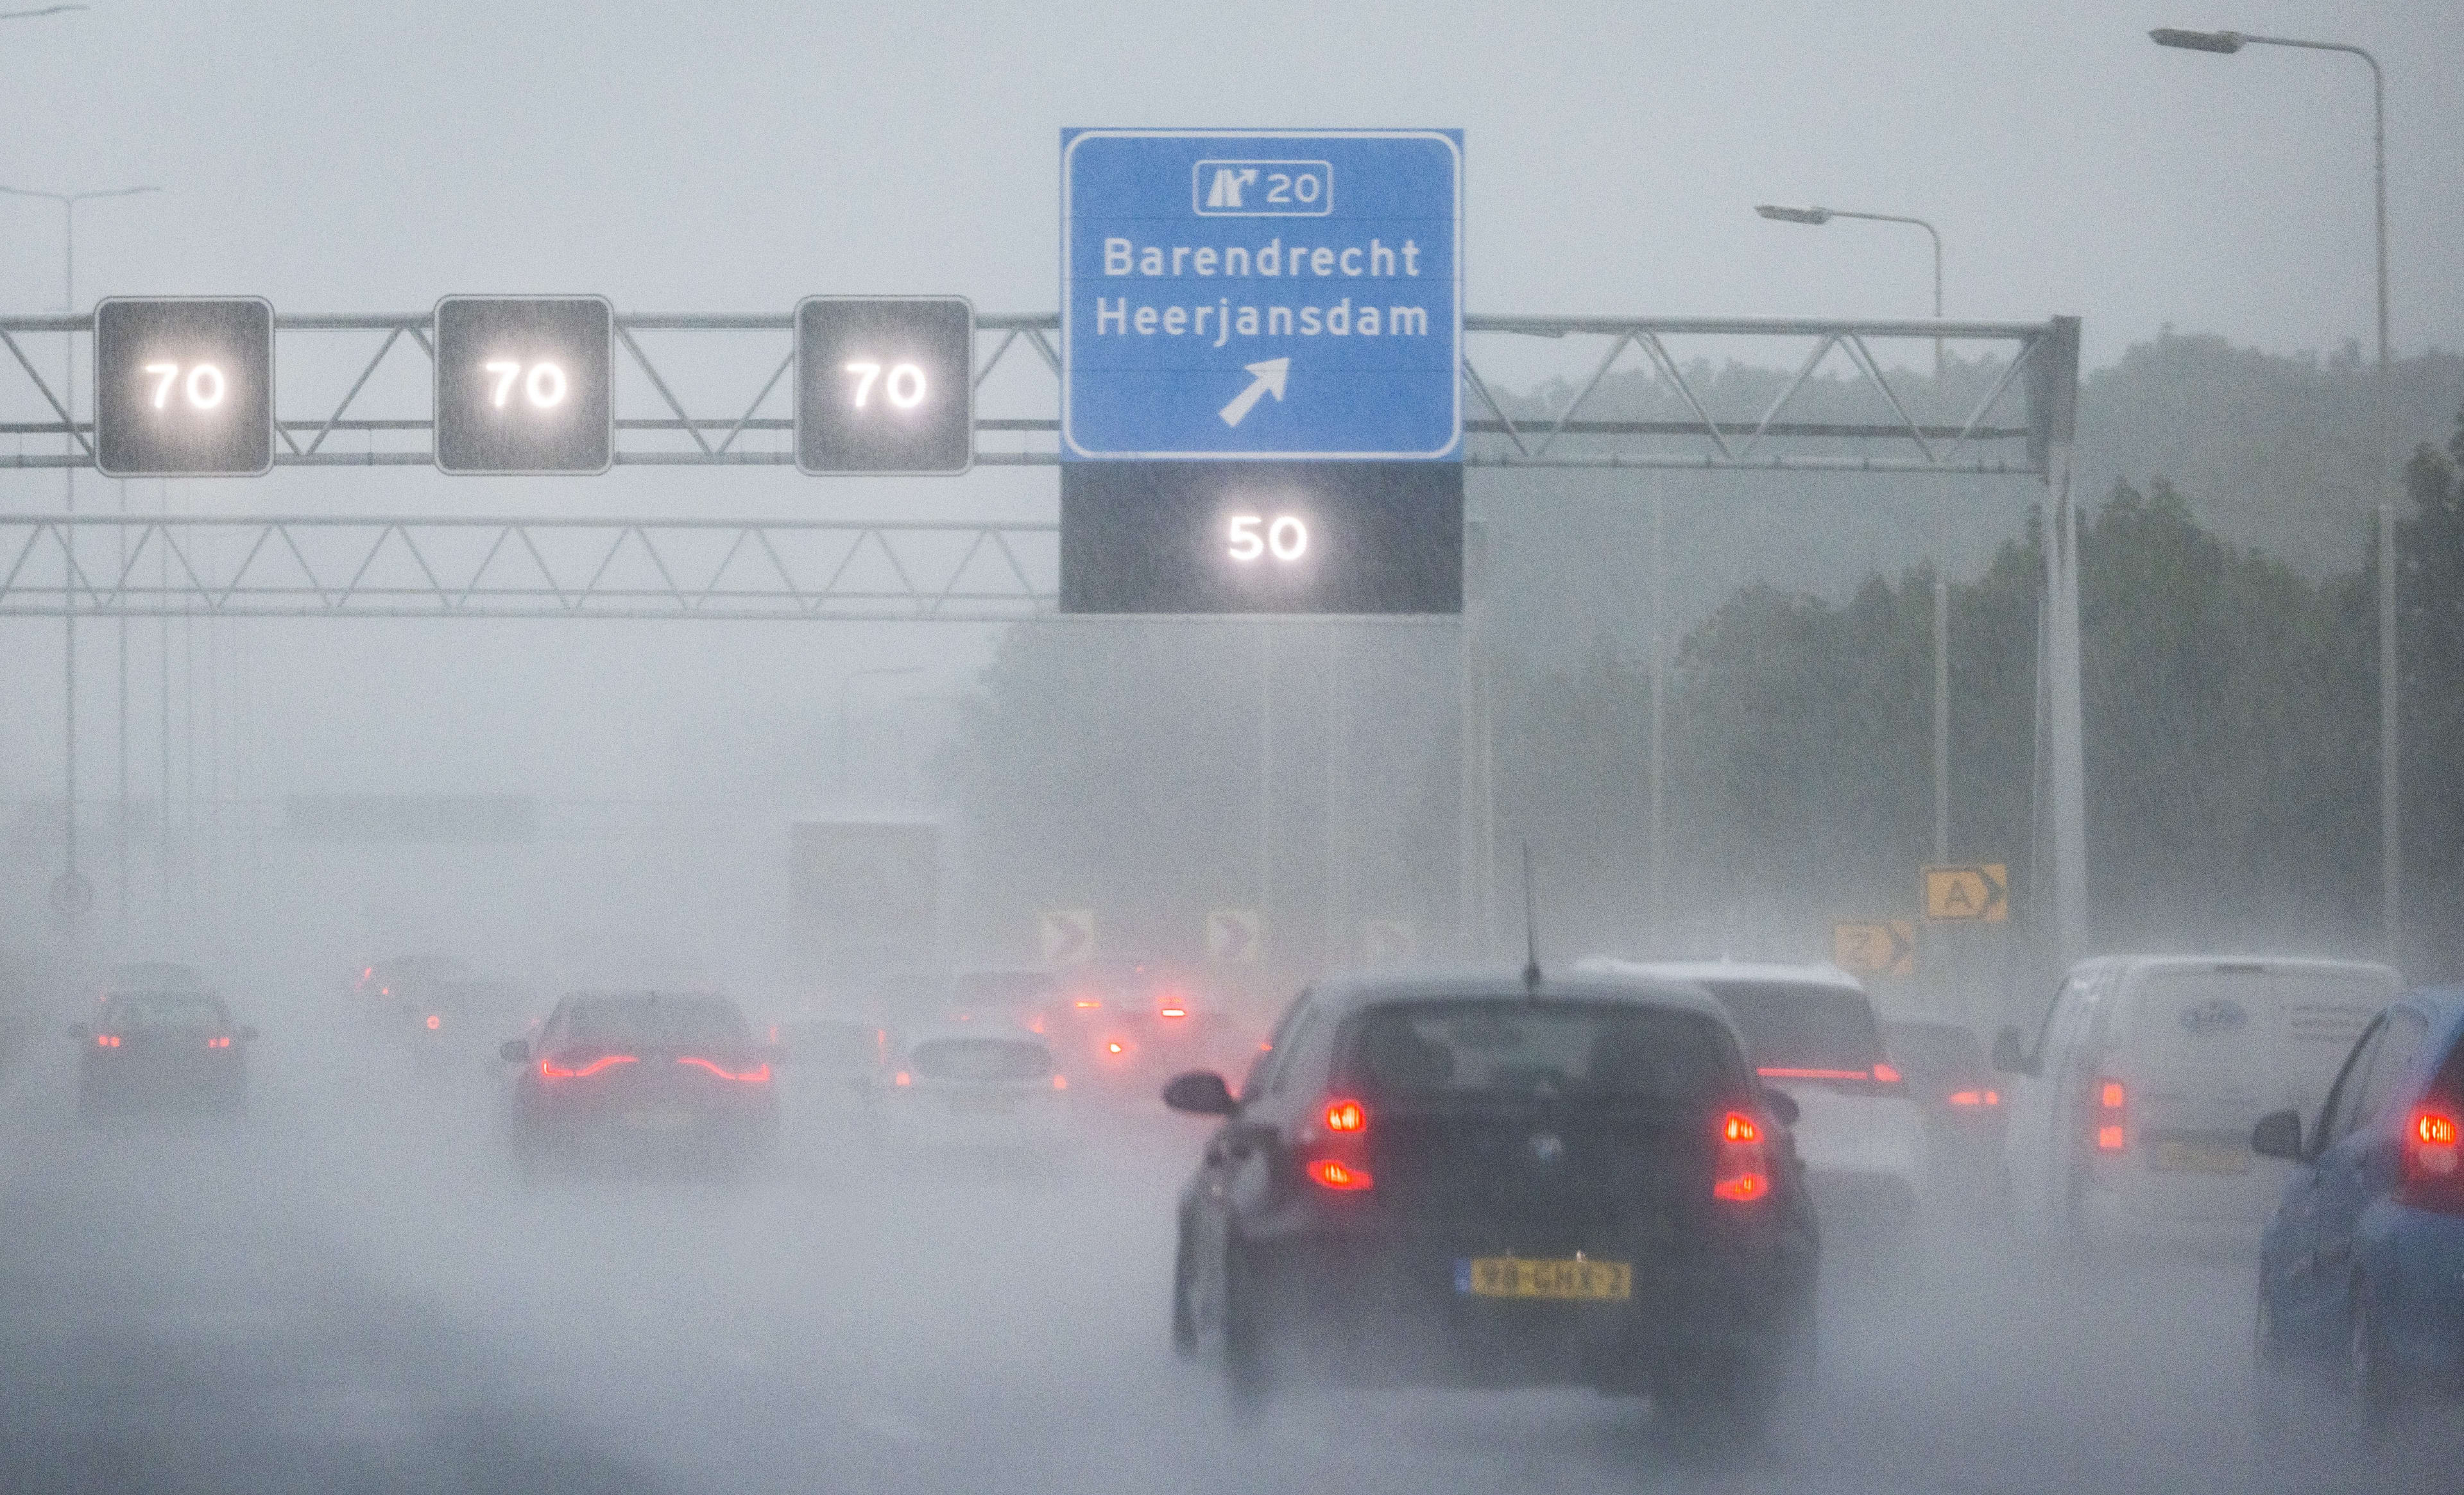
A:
(1530, 932)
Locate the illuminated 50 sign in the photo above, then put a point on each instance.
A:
(183, 386)
(1261, 537)
(522, 384)
(884, 383)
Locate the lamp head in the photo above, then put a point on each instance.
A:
(2227, 42)
(1778, 215)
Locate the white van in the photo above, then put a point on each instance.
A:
(1813, 1035)
(2133, 1109)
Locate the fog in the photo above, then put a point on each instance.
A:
(1693, 708)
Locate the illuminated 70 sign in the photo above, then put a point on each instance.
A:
(523, 385)
(183, 386)
(884, 383)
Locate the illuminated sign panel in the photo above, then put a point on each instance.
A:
(523, 385)
(1261, 537)
(183, 386)
(884, 383)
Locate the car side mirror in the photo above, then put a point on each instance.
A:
(2010, 1053)
(2277, 1135)
(1200, 1093)
(249, 1035)
(514, 1050)
(81, 1032)
(1783, 1105)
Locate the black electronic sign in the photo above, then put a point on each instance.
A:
(183, 386)
(884, 383)
(523, 385)
(1262, 537)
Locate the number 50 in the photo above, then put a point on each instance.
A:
(1286, 538)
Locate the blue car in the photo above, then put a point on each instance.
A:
(2362, 1271)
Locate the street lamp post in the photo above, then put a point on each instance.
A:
(68, 202)
(1816, 217)
(845, 683)
(2390, 781)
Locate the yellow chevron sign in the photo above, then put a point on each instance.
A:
(1979, 891)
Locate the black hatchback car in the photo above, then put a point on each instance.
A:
(161, 1051)
(645, 1077)
(1458, 1181)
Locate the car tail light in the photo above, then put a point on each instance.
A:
(1885, 1074)
(758, 1074)
(220, 1042)
(1743, 1172)
(2433, 1167)
(434, 1023)
(1087, 1003)
(1061, 1082)
(2112, 1116)
(902, 1079)
(106, 1041)
(1976, 1097)
(1112, 1047)
(1329, 1173)
(1347, 1117)
(550, 1069)
(1175, 1010)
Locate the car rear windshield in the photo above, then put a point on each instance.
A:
(1804, 1030)
(979, 1058)
(655, 1019)
(162, 1012)
(1516, 1048)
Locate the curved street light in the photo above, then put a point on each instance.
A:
(2390, 782)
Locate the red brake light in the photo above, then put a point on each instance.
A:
(434, 1023)
(550, 1069)
(1061, 1082)
(1346, 1117)
(2112, 1130)
(2433, 1168)
(1743, 1171)
(1086, 1004)
(1328, 1174)
(1112, 1047)
(1885, 1074)
(223, 1042)
(106, 1041)
(902, 1079)
(758, 1074)
(1782, 1073)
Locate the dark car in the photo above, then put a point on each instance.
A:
(1958, 1093)
(163, 1050)
(1459, 1182)
(642, 1077)
(2362, 1271)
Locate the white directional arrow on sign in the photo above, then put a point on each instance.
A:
(1270, 375)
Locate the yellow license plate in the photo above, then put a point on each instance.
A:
(2196, 1157)
(1521, 1277)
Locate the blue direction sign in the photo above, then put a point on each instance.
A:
(1261, 295)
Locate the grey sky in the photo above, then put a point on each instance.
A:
(739, 156)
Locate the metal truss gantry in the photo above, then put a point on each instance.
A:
(737, 348)
(713, 391)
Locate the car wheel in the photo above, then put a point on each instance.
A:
(1244, 1341)
(2370, 1379)
(2270, 1372)
(1184, 1317)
